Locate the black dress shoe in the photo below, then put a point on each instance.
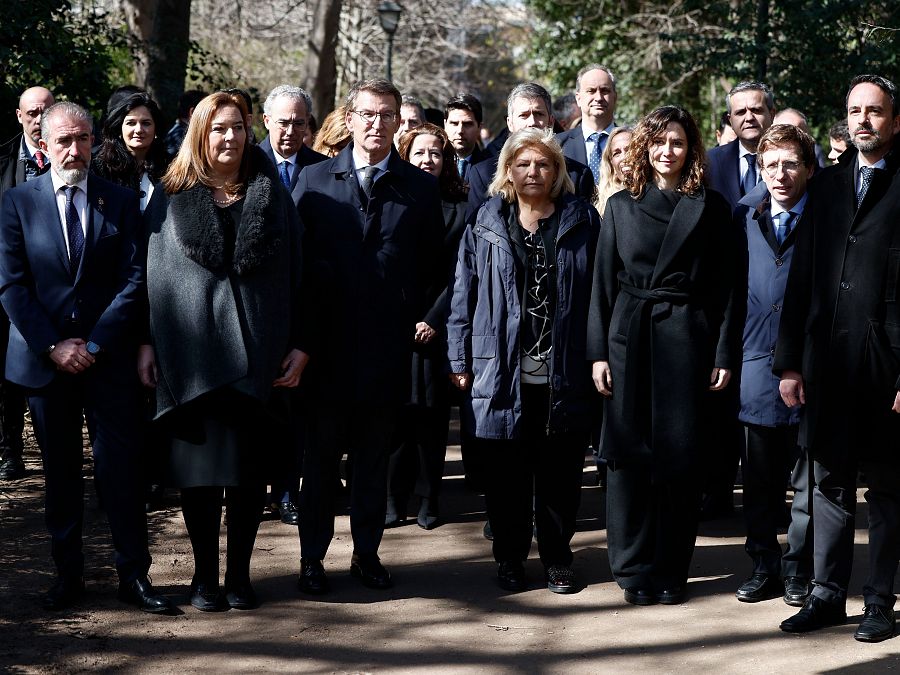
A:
(672, 596)
(640, 596)
(240, 595)
(511, 576)
(12, 468)
(796, 590)
(207, 597)
(878, 624)
(760, 587)
(140, 592)
(429, 514)
(64, 593)
(290, 515)
(561, 579)
(370, 571)
(312, 578)
(816, 614)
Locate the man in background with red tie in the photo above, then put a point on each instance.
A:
(21, 159)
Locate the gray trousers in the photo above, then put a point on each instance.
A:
(834, 503)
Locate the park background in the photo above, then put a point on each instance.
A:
(688, 52)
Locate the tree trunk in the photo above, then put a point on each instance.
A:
(163, 30)
(762, 40)
(320, 65)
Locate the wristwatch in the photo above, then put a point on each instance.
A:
(93, 348)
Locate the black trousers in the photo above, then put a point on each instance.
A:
(723, 446)
(772, 452)
(651, 527)
(416, 464)
(535, 475)
(202, 511)
(365, 433)
(12, 403)
(834, 503)
(109, 398)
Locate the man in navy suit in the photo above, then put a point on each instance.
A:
(528, 105)
(731, 168)
(462, 122)
(595, 93)
(286, 115)
(71, 277)
(372, 246)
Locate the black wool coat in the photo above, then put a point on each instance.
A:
(368, 265)
(841, 323)
(668, 304)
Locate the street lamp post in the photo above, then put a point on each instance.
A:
(389, 16)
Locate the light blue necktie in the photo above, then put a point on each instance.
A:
(462, 165)
(783, 226)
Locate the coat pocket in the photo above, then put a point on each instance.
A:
(484, 366)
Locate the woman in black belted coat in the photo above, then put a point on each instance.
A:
(667, 312)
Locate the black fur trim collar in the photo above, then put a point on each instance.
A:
(201, 234)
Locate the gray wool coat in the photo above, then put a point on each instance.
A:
(216, 321)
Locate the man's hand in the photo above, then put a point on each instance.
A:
(147, 366)
(896, 407)
(602, 377)
(292, 368)
(719, 379)
(792, 391)
(461, 380)
(71, 356)
(424, 332)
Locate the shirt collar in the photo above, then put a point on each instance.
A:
(279, 159)
(796, 209)
(608, 130)
(359, 164)
(743, 152)
(880, 164)
(60, 183)
(28, 152)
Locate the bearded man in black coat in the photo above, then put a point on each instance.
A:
(838, 355)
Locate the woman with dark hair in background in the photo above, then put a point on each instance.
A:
(665, 329)
(131, 153)
(422, 428)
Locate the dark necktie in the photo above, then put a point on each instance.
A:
(783, 228)
(594, 159)
(866, 173)
(369, 180)
(39, 159)
(74, 231)
(285, 174)
(749, 181)
(462, 166)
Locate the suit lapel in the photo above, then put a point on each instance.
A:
(684, 219)
(96, 206)
(45, 202)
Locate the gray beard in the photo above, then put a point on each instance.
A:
(72, 176)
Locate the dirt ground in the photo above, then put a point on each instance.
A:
(444, 615)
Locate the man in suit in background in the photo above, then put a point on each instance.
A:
(595, 92)
(797, 119)
(412, 116)
(528, 106)
(21, 159)
(372, 245)
(286, 112)
(462, 122)
(70, 280)
(731, 168)
(837, 357)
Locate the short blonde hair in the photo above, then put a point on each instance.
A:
(544, 142)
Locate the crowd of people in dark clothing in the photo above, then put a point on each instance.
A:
(232, 318)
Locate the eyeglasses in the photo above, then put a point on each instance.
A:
(369, 116)
(284, 125)
(790, 168)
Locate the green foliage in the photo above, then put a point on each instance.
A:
(691, 51)
(79, 56)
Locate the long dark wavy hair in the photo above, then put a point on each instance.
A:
(638, 158)
(451, 185)
(114, 161)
